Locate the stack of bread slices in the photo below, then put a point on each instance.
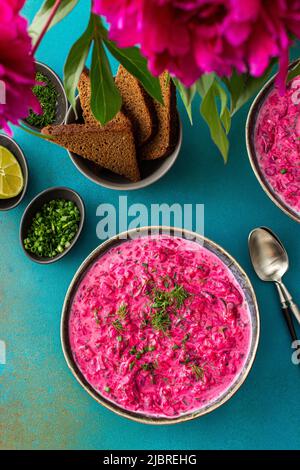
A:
(143, 129)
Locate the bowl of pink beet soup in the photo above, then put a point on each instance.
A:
(273, 144)
(160, 325)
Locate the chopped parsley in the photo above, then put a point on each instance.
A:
(179, 295)
(144, 323)
(222, 329)
(186, 360)
(47, 95)
(117, 325)
(96, 317)
(149, 366)
(186, 338)
(139, 353)
(122, 311)
(161, 320)
(197, 371)
(107, 389)
(163, 301)
(283, 171)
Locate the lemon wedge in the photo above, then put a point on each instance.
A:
(11, 176)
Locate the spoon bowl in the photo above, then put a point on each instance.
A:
(268, 256)
(271, 262)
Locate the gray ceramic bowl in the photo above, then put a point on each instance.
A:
(251, 149)
(36, 204)
(239, 275)
(151, 171)
(62, 101)
(10, 144)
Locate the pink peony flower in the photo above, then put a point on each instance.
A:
(192, 37)
(17, 69)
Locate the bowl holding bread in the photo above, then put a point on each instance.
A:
(136, 148)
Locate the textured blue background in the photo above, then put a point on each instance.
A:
(41, 404)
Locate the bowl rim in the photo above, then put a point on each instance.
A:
(25, 174)
(75, 239)
(65, 99)
(131, 186)
(249, 128)
(64, 332)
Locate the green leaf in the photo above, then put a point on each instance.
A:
(226, 119)
(218, 124)
(224, 111)
(204, 83)
(106, 100)
(75, 63)
(42, 15)
(293, 72)
(136, 64)
(187, 96)
(243, 87)
(35, 133)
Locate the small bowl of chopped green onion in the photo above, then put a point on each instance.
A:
(51, 95)
(51, 224)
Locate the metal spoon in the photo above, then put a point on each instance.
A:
(282, 290)
(270, 261)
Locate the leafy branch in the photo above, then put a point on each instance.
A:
(105, 97)
(220, 98)
(64, 7)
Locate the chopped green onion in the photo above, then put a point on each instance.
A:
(48, 235)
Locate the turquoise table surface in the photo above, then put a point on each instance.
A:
(41, 404)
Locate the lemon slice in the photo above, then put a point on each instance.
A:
(11, 177)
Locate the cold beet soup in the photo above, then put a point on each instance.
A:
(160, 326)
(277, 142)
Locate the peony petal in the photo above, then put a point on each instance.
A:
(261, 47)
(244, 10)
(17, 67)
(237, 33)
(191, 37)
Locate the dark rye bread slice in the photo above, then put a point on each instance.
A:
(137, 105)
(166, 138)
(112, 147)
(84, 89)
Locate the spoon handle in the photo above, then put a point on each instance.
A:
(286, 310)
(288, 298)
(295, 310)
(289, 322)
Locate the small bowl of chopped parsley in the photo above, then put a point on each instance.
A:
(51, 224)
(51, 95)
